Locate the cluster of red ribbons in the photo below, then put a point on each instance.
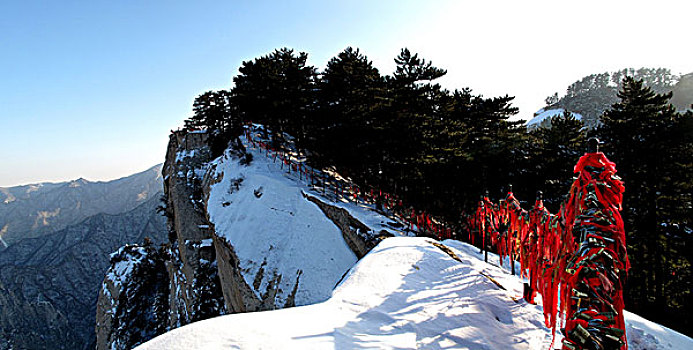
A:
(416, 221)
(577, 256)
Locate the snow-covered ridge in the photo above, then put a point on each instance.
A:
(405, 294)
(286, 245)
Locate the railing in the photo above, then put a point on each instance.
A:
(578, 255)
(416, 221)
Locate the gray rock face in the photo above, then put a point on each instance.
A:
(203, 272)
(353, 231)
(195, 292)
(36, 210)
(49, 285)
(683, 93)
(187, 261)
(133, 301)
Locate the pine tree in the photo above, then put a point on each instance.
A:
(651, 144)
(559, 147)
(350, 96)
(277, 90)
(410, 124)
(213, 111)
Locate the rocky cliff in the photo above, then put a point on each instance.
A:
(243, 236)
(133, 300)
(186, 280)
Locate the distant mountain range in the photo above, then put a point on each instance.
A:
(39, 209)
(58, 238)
(590, 96)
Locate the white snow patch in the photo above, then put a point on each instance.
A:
(122, 269)
(184, 154)
(2, 232)
(543, 114)
(644, 334)
(276, 231)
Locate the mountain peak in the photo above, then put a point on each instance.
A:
(79, 182)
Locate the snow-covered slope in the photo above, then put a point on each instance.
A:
(407, 293)
(542, 118)
(285, 244)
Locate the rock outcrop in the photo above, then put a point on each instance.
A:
(268, 262)
(49, 285)
(355, 233)
(132, 305)
(187, 261)
(194, 285)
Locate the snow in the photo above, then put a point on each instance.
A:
(184, 154)
(279, 236)
(405, 294)
(366, 214)
(127, 261)
(2, 232)
(644, 334)
(542, 115)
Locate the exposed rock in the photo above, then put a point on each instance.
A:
(49, 285)
(206, 277)
(192, 266)
(133, 300)
(354, 231)
(683, 93)
(187, 264)
(238, 295)
(275, 247)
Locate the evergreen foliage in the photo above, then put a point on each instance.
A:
(277, 90)
(214, 111)
(439, 150)
(351, 96)
(595, 93)
(557, 148)
(653, 147)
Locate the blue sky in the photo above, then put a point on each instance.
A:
(91, 88)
